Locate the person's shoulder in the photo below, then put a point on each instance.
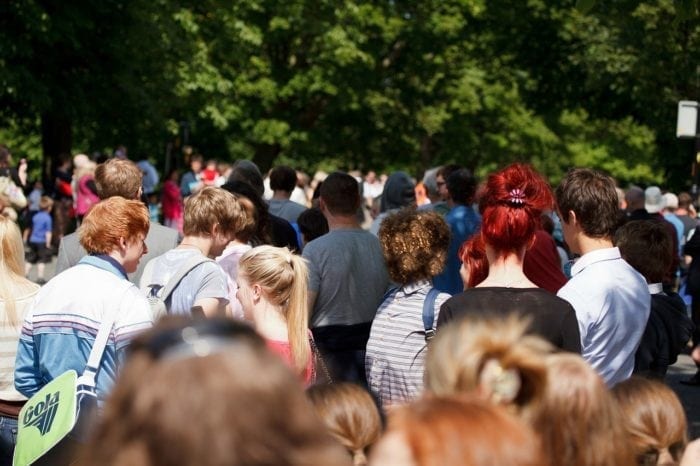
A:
(550, 301)
(162, 232)
(70, 240)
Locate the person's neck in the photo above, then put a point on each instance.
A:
(281, 195)
(340, 222)
(587, 244)
(203, 244)
(506, 270)
(682, 211)
(270, 322)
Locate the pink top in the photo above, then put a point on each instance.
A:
(171, 200)
(285, 351)
(84, 197)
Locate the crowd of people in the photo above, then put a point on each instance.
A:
(380, 322)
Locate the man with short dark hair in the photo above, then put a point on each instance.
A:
(610, 298)
(347, 280)
(283, 180)
(118, 177)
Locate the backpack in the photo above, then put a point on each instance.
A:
(158, 293)
(428, 310)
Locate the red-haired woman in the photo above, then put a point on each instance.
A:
(475, 265)
(511, 204)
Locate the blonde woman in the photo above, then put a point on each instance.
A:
(16, 293)
(272, 289)
(494, 358)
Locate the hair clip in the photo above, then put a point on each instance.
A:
(501, 384)
(517, 196)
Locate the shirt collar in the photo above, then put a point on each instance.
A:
(415, 286)
(599, 255)
(105, 262)
(656, 288)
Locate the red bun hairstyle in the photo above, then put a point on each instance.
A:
(511, 204)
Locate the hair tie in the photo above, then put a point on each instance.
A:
(502, 384)
(517, 197)
(289, 259)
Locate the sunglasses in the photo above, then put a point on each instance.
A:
(194, 338)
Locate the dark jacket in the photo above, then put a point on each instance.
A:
(666, 334)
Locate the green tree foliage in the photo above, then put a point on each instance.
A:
(356, 84)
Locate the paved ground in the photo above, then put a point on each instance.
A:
(684, 368)
(689, 395)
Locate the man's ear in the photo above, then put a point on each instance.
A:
(215, 228)
(572, 218)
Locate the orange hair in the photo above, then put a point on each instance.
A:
(112, 219)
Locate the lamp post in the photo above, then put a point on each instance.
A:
(687, 128)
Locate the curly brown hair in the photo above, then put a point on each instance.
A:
(414, 244)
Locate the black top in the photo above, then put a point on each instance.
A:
(666, 334)
(552, 317)
(283, 233)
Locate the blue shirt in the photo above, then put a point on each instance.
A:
(612, 304)
(41, 225)
(463, 222)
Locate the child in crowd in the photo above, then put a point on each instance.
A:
(154, 207)
(40, 239)
(32, 208)
(210, 173)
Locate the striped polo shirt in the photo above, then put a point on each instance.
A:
(396, 348)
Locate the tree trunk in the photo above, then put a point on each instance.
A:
(56, 139)
(265, 155)
(427, 149)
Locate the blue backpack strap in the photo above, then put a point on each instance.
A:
(389, 292)
(429, 313)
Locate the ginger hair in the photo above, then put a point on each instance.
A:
(111, 219)
(511, 204)
(464, 431)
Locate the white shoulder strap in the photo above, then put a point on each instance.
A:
(98, 347)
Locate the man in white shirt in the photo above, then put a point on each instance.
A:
(610, 298)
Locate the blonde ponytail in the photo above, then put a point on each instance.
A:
(298, 314)
(492, 356)
(283, 277)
